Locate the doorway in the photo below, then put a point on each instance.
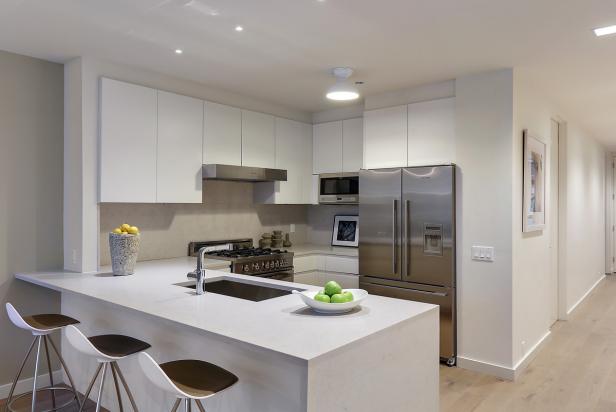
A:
(554, 221)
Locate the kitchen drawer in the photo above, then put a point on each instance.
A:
(346, 280)
(307, 278)
(342, 264)
(308, 263)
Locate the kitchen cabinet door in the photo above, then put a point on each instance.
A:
(431, 134)
(385, 137)
(222, 135)
(327, 149)
(258, 140)
(352, 145)
(293, 154)
(127, 142)
(179, 149)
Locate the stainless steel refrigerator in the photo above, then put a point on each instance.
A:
(407, 244)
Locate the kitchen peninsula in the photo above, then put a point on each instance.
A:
(383, 356)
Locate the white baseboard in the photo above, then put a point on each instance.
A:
(501, 371)
(488, 368)
(575, 305)
(530, 355)
(25, 385)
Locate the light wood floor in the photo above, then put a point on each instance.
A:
(574, 371)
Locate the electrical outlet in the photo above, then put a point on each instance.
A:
(292, 228)
(482, 253)
(74, 256)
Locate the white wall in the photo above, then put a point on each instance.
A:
(583, 218)
(584, 262)
(30, 196)
(82, 240)
(484, 118)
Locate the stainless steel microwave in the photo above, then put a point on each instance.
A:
(339, 188)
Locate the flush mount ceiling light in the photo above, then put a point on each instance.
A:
(239, 28)
(178, 51)
(604, 31)
(342, 90)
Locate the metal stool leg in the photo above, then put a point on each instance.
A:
(53, 392)
(176, 405)
(68, 374)
(117, 388)
(126, 388)
(100, 388)
(8, 400)
(85, 398)
(38, 355)
(199, 405)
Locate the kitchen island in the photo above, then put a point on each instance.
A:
(383, 356)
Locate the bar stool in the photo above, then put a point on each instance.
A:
(187, 379)
(107, 349)
(40, 326)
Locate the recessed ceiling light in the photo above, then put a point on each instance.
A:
(179, 51)
(239, 28)
(604, 31)
(342, 90)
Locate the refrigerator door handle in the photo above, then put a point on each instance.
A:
(394, 237)
(407, 239)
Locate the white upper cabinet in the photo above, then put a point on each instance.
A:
(179, 149)
(327, 149)
(294, 154)
(222, 136)
(385, 137)
(127, 143)
(352, 145)
(431, 132)
(258, 140)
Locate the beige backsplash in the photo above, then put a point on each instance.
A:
(227, 212)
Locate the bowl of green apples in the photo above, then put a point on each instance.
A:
(332, 298)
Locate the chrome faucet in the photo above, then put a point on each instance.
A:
(199, 273)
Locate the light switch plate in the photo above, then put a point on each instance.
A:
(482, 253)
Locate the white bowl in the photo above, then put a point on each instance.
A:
(323, 307)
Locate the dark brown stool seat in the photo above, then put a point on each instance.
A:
(118, 346)
(49, 321)
(198, 378)
(187, 380)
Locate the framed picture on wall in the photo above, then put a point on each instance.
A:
(533, 216)
(346, 231)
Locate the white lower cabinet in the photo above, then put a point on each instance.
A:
(318, 269)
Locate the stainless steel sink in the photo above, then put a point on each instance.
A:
(240, 289)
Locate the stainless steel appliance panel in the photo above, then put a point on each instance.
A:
(379, 223)
(428, 225)
(338, 188)
(444, 297)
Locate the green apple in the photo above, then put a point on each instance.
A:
(348, 296)
(322, 297)
(332, 288)
(339, 298)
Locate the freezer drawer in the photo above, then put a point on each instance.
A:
(442, 296)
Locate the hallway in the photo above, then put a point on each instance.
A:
(574, 371)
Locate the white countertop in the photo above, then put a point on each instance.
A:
(312, 249)
(284, 324)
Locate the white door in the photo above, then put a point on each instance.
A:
(179, 149)
(352, 145)
(327, 147)
(385, 137)
(553, 222)
(258, 140)
(222, 135)
(431, 132)
(127, 143)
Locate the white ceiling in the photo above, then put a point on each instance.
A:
(287, 47)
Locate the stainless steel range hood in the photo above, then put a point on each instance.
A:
(243, 173)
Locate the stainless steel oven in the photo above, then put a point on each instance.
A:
(339, 188)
